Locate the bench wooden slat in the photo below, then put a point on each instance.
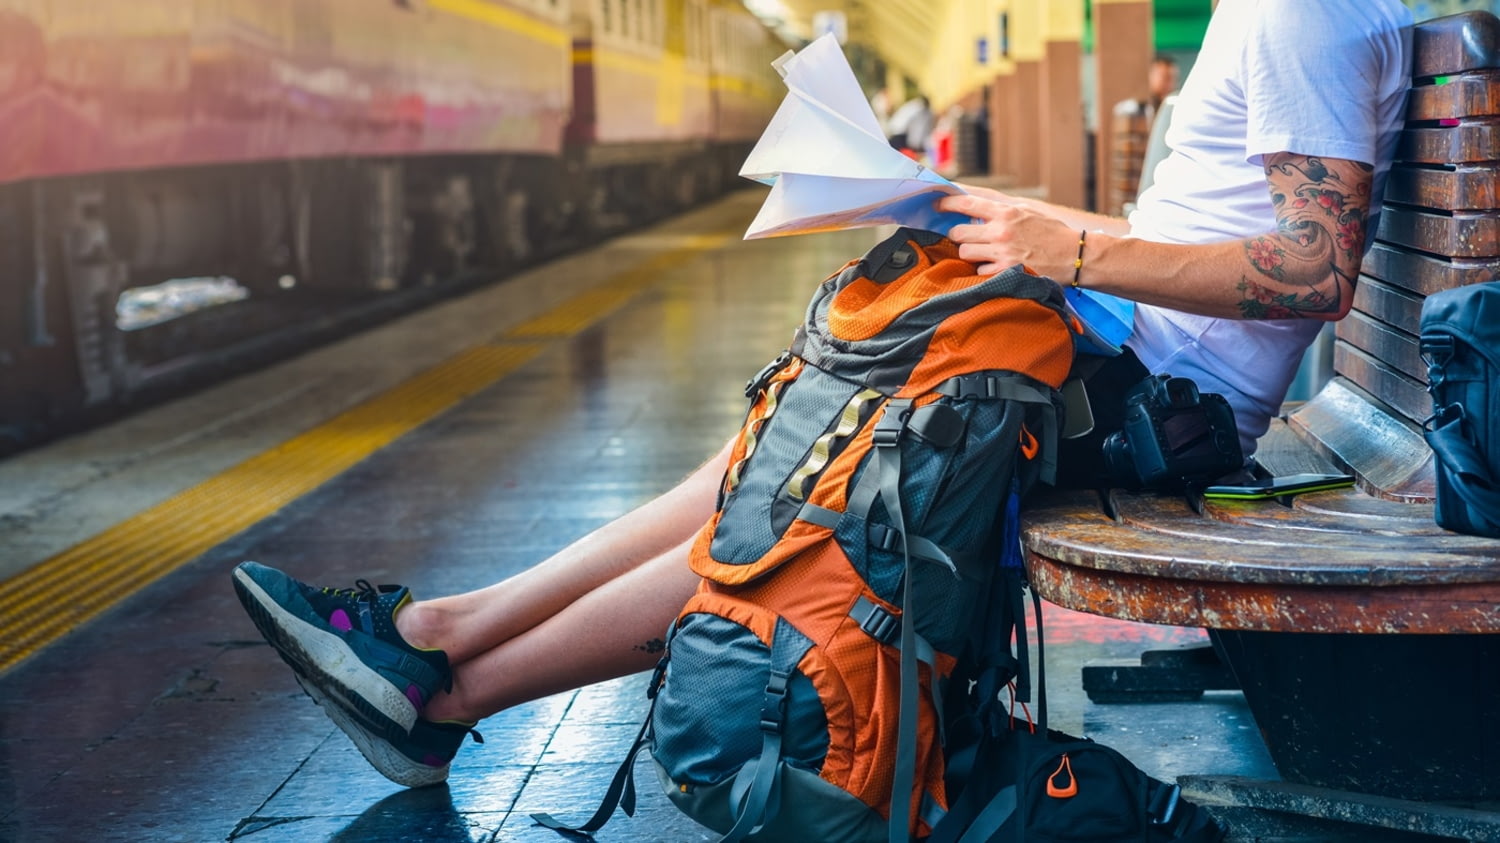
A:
(1333, 512)
(1280, 451)
(1455, 44)
(1386, 453)
(1398, 350)
(1468, 188)
(1391, 305)
(1399, 391)
(1469, 95)
(1466, 143)
(1423, 274)
(1378, 511)
(1462, 235)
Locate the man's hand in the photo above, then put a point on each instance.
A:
(1004, 234)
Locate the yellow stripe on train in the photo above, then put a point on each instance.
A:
(507, 19)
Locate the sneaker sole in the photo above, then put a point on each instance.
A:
(386, 759)
(326, 661)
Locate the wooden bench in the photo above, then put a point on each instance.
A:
(1344, 615)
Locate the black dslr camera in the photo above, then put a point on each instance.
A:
(1172, 436)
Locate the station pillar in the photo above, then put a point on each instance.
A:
(1002, 108)
(1062, 159)
(1023, 129)
(1123, 37)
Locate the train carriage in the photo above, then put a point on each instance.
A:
(326, 162)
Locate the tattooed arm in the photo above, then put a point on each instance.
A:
(1309, 266)
(1304, 269)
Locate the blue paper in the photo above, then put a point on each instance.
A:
(1107, 320)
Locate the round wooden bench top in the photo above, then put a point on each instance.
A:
(1331, 562)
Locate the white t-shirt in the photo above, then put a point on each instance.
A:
(1325, 78)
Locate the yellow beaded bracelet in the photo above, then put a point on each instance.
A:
(1083, 234)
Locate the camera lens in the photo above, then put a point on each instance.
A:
(1118, 461)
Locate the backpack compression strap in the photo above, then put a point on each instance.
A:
(886, 467)
(983, 385)
(757, 780)
(621, 793)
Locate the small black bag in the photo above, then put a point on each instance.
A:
(1461, 344)
(1073, 790)
(1031, 784)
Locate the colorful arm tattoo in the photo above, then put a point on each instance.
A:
(1309, 266)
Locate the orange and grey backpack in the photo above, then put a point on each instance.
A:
(852, 632)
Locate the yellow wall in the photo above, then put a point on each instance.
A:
(1064, 20)
(953, 69)
(950, 68)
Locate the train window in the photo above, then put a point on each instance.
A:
(704, 45)
(694, 31)
(142, 307)
(606, 15)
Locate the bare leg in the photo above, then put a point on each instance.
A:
(614, 630)
(651, 539)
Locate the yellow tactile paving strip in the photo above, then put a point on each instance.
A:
(49, 600)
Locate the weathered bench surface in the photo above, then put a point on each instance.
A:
(1339, 561)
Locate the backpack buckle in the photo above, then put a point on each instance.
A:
(1437, 353)
(878, 623)
(881, 537)
(773, 704)
(1437, 349)
(891, 425)
(1164, 804)
(658, 677)
(763, 377)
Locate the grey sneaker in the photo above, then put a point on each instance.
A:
(415, 760)
(344, 641)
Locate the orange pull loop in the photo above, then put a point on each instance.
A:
(1062, 792)
(1029, 444)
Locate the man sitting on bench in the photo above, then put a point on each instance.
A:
(1252, 233)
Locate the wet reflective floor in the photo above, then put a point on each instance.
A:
(164, 716)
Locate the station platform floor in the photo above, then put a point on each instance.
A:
(445, 451)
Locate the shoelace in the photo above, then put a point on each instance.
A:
(362, 591)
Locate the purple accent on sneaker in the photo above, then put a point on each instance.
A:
(434, 761)
(414, 694)
(340, 620)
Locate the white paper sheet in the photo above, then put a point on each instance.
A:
(830, 167)
(828, 161)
